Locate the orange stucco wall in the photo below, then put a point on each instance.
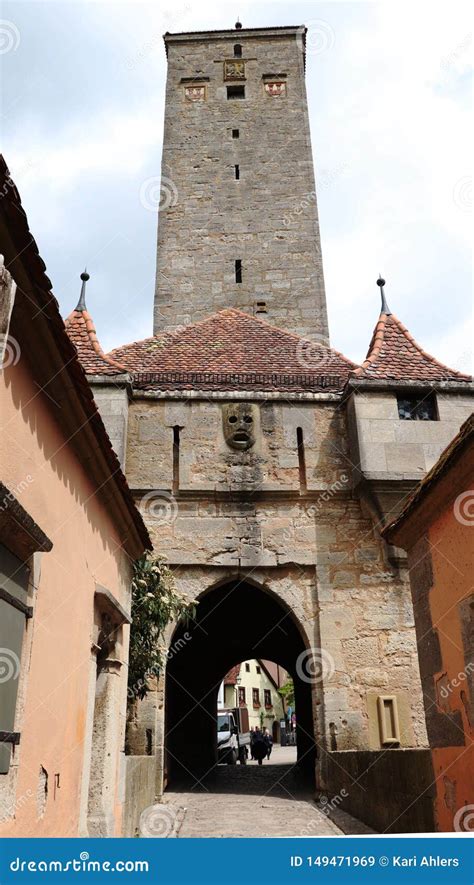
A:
(53, 486)
(451, 544)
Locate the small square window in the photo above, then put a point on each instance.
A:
(235, 133)
(417, 407)
(236, 92)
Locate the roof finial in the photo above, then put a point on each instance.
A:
(81, 304)
(238, 24)
(385, 308)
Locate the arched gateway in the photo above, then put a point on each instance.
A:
(235, 621)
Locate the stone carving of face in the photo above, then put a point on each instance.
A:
(239, 425)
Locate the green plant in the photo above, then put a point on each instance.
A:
(287, 692)
(155, 603)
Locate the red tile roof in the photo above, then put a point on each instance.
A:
(231, 349)
(231, 677)
(22, 258)
(81, 331)
(395, 355)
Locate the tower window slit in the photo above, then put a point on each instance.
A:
(238, 270)
(237, 173)
(176, 442)
(301, 459)
(237, 50)
(235, 91)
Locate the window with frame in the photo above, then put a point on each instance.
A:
(267, 697)
(14, 580)
(417, 407)
(255, 697)
(242, 700)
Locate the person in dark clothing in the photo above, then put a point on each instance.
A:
(269, 743)
(259, 746)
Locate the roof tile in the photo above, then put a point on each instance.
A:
(231, 349)
(81, 331)
(395, 355)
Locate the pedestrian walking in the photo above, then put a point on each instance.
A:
(259, 746)
(252, 741)
(269, 743)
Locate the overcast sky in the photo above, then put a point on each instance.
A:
(389, 97)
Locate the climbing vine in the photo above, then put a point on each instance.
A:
(155, 603)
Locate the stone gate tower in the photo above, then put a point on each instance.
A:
(238, 221)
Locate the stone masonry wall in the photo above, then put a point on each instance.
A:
(268, 218)
(112, 402)
(388, 446)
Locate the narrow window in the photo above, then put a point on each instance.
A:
(247, 668)
(417, 407)
(267, 697)
(255, 697)
(236, 133)
(238, 270)
(176, 433)
(237, 173)
(235, 92)
(241, 696)
(258, 669)
(301, 458)
(237, 50)
(149, 741)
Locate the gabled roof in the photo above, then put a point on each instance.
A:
(395, 355)
(233, 350)
(38, 325)
(81, 330)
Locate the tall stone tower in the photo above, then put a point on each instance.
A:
(238, 221)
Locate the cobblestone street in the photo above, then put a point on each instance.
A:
(250, 800)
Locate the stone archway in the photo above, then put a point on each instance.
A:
(235, 621)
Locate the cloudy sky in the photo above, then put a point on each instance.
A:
(389, 96)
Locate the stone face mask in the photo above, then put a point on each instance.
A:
(239, 425)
